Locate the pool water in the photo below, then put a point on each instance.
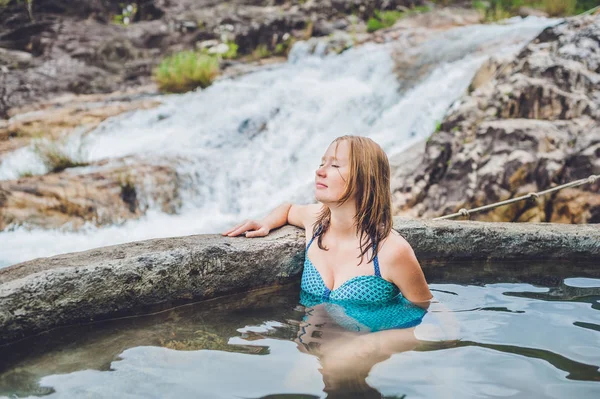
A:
(509, 340)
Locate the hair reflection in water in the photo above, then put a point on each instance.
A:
(349, 338)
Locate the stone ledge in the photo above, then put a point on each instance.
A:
(139, 277)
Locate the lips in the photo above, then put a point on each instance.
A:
(321, 185)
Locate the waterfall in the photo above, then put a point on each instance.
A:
(246, 144)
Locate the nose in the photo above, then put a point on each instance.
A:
(320, 171)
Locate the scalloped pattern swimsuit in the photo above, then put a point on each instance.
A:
(369, 289)
(362, 303)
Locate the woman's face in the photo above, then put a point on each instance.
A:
(333, 172)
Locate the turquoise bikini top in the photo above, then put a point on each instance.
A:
(367, 289)
(363, 303)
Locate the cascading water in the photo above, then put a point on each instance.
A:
(244, 145)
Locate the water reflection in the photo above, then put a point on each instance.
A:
(266, 345)
(346, 357)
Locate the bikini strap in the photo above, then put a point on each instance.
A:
(376, 262)
(319, 229)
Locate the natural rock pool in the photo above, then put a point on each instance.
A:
(487, 339)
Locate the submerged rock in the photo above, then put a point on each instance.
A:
(528, 124)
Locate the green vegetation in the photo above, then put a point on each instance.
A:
(261, 51)
(386, 19)
(127, 14)
(284, 47)
(383, 19)
(55, 157)
(185, 71)
(232, 53)
(495, 10)
(26, 173)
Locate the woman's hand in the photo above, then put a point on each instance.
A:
(252, 228)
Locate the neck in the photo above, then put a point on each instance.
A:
(342, 223)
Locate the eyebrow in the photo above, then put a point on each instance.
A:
(332, 158)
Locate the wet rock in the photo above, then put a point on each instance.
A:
(105, 195)
(96, 54)
(62, 115)
(528, 124)
(142, 276)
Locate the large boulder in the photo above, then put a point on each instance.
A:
(142, 276)
(528, 124)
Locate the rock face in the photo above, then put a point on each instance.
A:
(79, 47)
(116, 280)
(107, 195)
(528, 124)
(143, 276)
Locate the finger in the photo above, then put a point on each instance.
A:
(245, 227)
(237, 226)
(257, 233)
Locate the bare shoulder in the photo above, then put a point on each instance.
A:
(399, 265)
(395, 247)
(304, 216)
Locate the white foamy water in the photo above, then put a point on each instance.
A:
(244, 145)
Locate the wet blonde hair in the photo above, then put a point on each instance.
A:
(369, 185)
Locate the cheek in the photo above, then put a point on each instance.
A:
(340, 180)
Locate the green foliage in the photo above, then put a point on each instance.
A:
(127, 14)
(480, 6)
(557, 8)
(585, 5)
(54, 156)
(495, 10)
(383, 19)
(438, 126)
(232, 53)
(185, 71)
(26, 173)
(421, 9)
(284, 47)
(374, 24)
(261, 51)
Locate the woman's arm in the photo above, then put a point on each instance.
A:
(404, 270)
(297, 215)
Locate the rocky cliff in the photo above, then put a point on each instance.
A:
(527, 124)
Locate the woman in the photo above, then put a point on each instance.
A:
(355, 267)
(358, 255)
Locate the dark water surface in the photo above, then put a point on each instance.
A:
(508, 340)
